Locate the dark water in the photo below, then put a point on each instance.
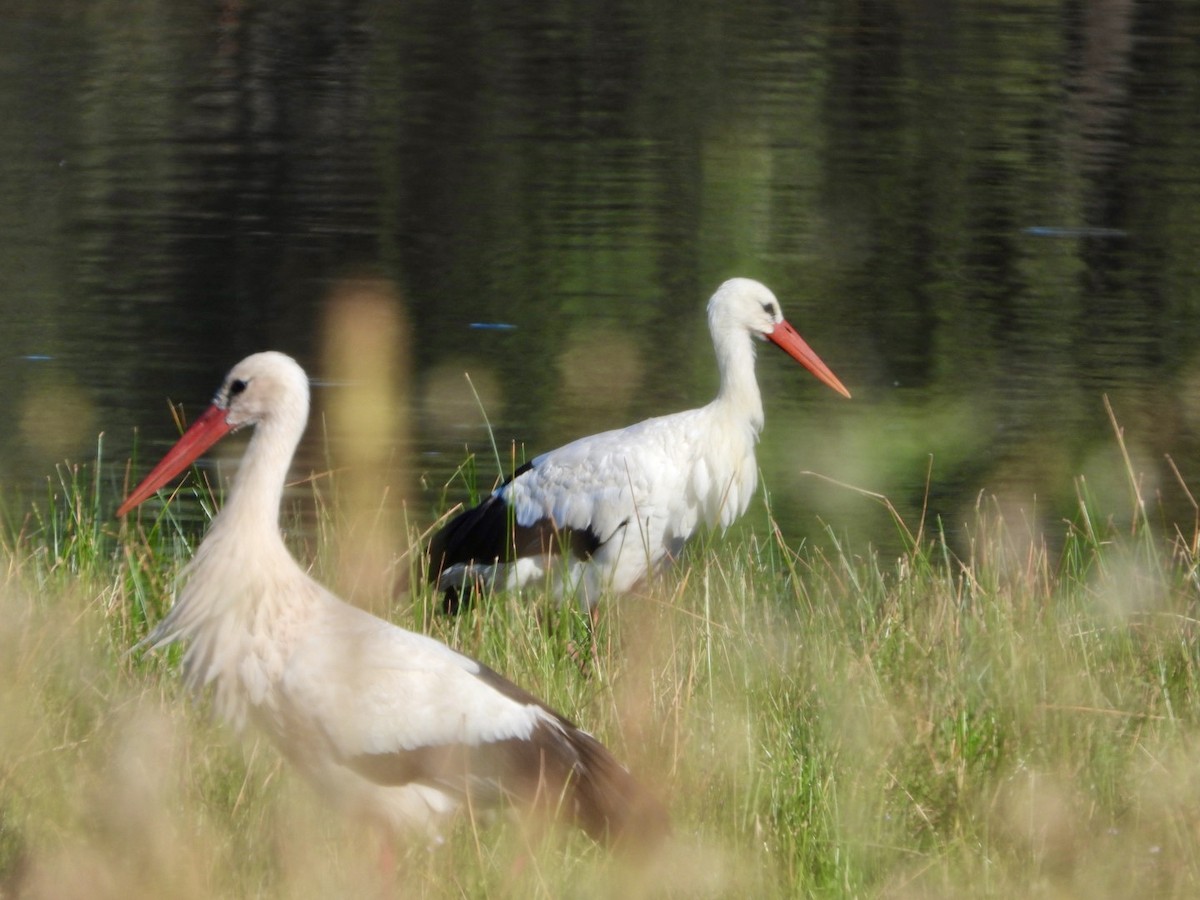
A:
(985, 217)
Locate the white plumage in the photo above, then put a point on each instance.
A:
(391, 725)
(618, 505)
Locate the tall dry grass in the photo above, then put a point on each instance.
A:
(999, 721)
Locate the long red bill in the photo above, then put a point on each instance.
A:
(209, 428)
(786, 337)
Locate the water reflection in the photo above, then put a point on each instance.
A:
(983, 216)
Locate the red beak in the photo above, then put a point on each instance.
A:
(203, 433)
(785, 336)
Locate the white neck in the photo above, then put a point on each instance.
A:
(739, 393)
(252, 507)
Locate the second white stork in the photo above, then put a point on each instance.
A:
(620, 504)
(394, 726)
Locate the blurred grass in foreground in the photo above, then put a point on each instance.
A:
(821, 721)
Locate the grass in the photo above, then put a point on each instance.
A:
(999, 721)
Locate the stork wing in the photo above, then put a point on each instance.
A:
(399, 707)
(602, 482)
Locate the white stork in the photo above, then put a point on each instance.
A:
(622, 503)
(392, 725)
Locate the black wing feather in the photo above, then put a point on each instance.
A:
(488, 533)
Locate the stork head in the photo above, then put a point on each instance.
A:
(269, 390)
(742, 305)
(263, 387)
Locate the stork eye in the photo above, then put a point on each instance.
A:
(236, 387)
(771, 310)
